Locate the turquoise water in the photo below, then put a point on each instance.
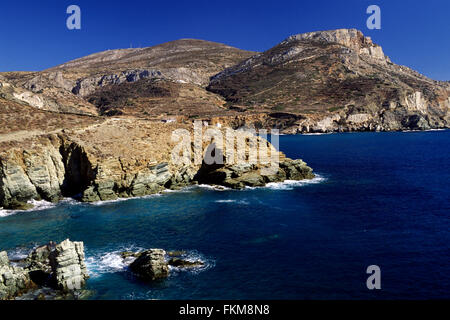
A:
(380, 198)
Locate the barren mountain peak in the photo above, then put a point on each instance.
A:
(333, 80)
(337, 72)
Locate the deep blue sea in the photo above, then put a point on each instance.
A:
(379, 199)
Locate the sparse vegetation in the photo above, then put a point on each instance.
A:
(333, 109)
(279, 107)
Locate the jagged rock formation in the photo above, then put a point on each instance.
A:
(13, 280)
(151, 265)
(240, 176)
(103, 161)
(334, 80)
(68, 267)
(59, 267)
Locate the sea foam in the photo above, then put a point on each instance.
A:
(291, 184)
(101, 263)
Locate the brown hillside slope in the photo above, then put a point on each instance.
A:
(335, 80)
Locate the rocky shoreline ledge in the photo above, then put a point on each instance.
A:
(58, 271)
(119, 159)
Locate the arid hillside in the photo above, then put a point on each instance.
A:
(185, 66)
(325, 81)
(339, 77)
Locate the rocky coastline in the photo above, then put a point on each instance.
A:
(58, 268)
(58, 166)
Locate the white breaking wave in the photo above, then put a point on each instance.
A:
(194, 256)
(37, 206)
(109, 262)
(19, 253)
(291, 184)
(244, 202)
(428, 130)
(213, 187)
(316, 133)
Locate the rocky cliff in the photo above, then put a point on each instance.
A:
(13, 280)
(103, 161)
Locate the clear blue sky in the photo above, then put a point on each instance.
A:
(34, 34)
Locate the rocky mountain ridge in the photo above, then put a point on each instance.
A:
(323, 81)
(332, 81)
(63, 88)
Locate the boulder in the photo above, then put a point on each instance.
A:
(39, 258)
(296, 170)
(151, 265)
(48, 267)
(13, 280)
(68, 266)
(4, 260)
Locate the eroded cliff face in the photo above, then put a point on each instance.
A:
(118, 158)
(410, 111)
(36, 173)
(58, 167)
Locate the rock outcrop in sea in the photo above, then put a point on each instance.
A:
(68, 266)
(58, 271)
(13, 280)
(154, 264)
(239, 176)
(151, 265)
(56, 268)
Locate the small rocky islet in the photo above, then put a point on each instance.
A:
(58, 271)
